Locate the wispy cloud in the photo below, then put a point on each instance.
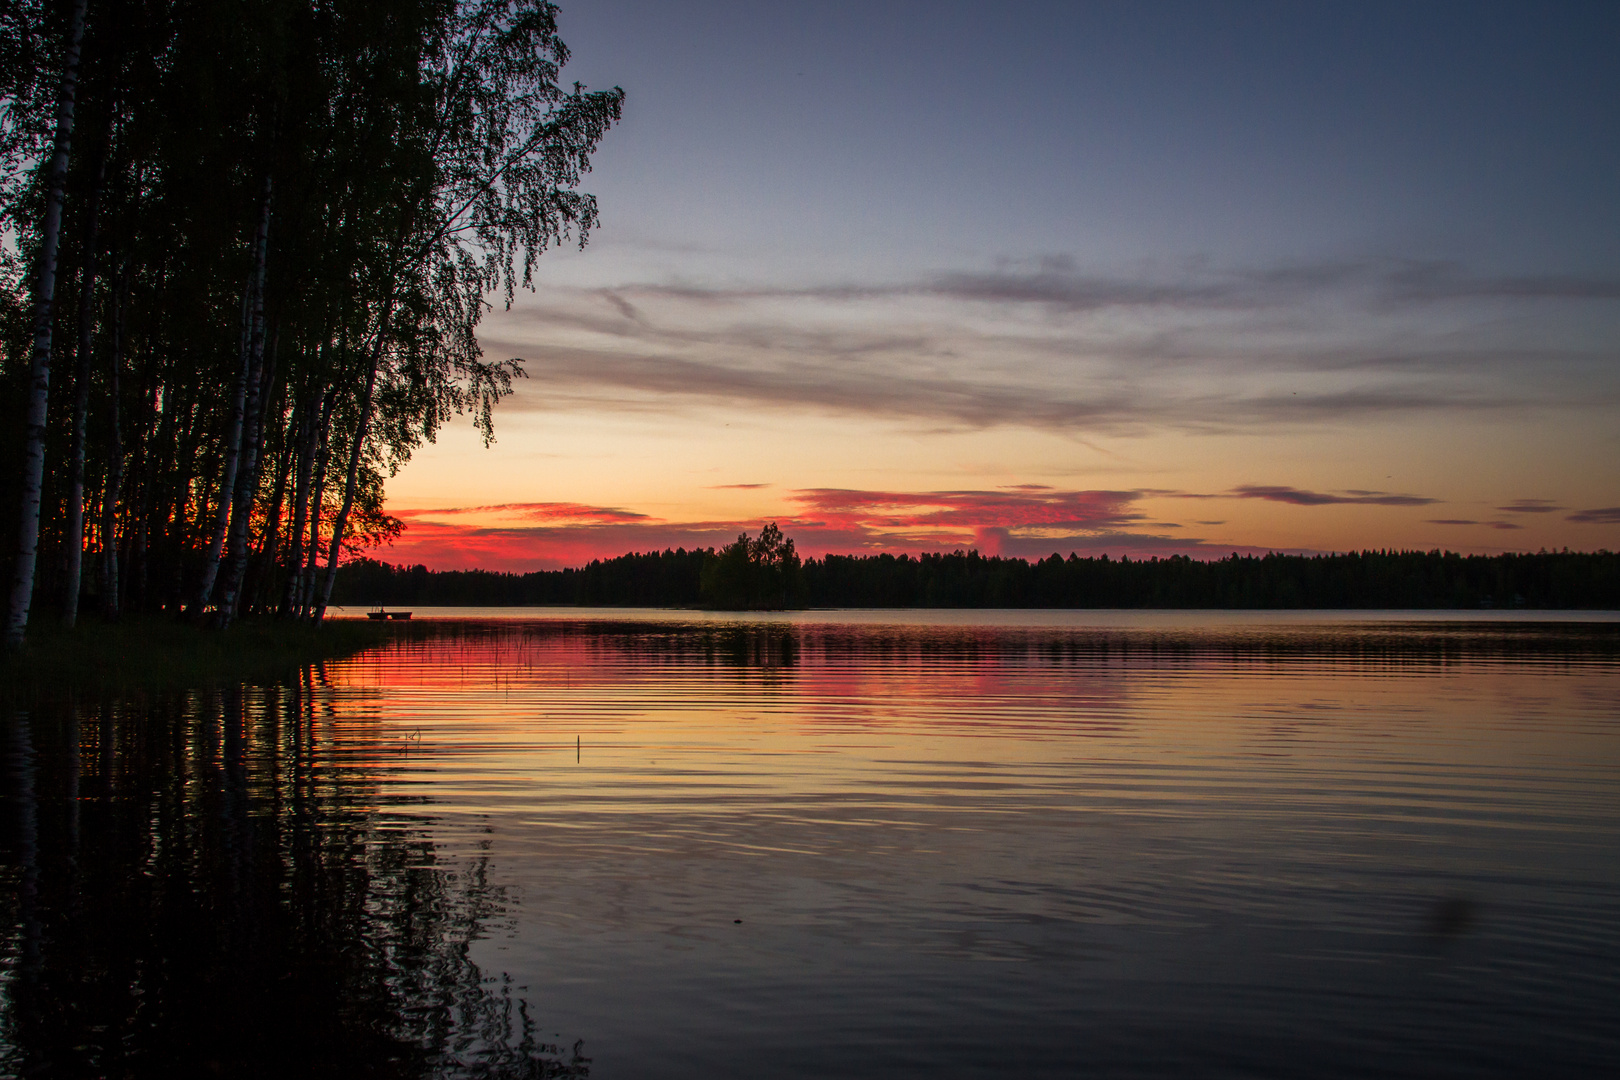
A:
(1430, 281)
(1106, 401)
(1606, 515)
(1300, 497)
(1059, 281)
(1470, 521)
(1530, 506)
(1046, 344)
(541, 511)
(1016, 508)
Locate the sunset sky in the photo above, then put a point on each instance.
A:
(1027, 277)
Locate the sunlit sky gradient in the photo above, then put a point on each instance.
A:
(1028, 277)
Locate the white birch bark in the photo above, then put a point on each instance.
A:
(115, 455)
(22, 588)
(352, 481)
(317, 507)
(307, 434)
(247, 479)
(81, 405)
(233, 436)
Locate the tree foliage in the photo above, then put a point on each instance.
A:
(751, 574)
(967, 579)
(284, 220)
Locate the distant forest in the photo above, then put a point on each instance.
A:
(1366, 579)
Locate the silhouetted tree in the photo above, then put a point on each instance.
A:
(281, 244)
(753, 574)
(44, 295)
(967, 579)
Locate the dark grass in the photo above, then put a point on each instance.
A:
(157, 652)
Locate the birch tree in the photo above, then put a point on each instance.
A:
(22, 589)
(280, 254)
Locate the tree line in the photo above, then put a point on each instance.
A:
(247, 245)
(967, 579)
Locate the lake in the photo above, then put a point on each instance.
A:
(625, 843)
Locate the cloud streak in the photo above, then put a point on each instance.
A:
(1299, 497)
(1046, 345)
(543, 511)
(1469, 521)
(1058, 282)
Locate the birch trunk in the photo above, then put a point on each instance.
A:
(81, 403)
(317, 507)
(247, 480)
(115, 458)
(143, 478)
(39, 375)
(233, 436)
(352, 481)
(177, 520)
(261, 569)
(135, 590)
(307, 434)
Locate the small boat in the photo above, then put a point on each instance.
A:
(380, 614)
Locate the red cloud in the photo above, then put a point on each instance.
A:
(456, 546)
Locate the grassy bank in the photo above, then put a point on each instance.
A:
(152, 652)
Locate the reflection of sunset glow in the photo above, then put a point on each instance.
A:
(653, 824)
(668, 715)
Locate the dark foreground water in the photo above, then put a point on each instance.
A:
(670, 846)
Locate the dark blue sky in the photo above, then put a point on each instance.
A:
(893, 135)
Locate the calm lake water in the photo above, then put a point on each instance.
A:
(669, 844)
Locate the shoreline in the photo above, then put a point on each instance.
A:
(156, 652)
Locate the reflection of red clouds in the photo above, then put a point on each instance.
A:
(831, 671)
(1027, 520)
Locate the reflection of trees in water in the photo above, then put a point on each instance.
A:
(213, 884)
(766, 647)
(1424, 643)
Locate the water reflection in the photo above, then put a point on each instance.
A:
(763, 847)
(1315, 849)
(213, 884)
